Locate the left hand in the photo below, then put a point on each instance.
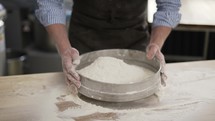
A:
(153, 50)
(70, 59)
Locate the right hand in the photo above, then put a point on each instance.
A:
(70, 59)
(152, 51)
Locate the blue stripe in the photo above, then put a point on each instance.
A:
(167, 13)
(53, 12)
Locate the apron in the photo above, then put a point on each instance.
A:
(108, 24)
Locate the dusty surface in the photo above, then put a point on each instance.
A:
(189, 96)
(64, 105)
(97, 116)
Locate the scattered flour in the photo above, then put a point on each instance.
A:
(177, 100)
(113, 70)
(155, 113)
(184, 98)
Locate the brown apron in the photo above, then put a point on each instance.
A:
(109, 24)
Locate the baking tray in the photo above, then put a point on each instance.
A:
(120, 92)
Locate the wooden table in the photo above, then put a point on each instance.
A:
(189, 96)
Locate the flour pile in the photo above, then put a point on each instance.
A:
(113, 70)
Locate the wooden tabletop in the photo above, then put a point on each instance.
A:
(189, 96)
(194, 12)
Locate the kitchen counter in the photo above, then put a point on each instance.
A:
(188, 96)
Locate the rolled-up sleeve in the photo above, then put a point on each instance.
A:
(50, 12)
(167, 13)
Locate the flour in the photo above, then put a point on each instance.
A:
(28, 88)
(185, 96)
(158, 113)
(177, 100)
(113, 70)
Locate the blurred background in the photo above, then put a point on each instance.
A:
(25, 47)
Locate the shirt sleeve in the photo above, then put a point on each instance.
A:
(167, 13)
(50, 12)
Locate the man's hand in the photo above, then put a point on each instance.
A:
(70, 59)
(69, 55)
(157, 39)
(152, 51)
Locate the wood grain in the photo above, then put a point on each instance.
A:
(32, 97)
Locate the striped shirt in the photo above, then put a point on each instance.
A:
(53, 12)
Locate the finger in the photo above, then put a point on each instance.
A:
(160, 57)
(68, 82)
(73, 89)
(75, 54)
(76, 61)
(73, 73)
(163, 79)
(73, 81)
(151, 52)
(75, 50)
(163, 67)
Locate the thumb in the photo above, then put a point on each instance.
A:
(151, 51)
(75, 57)
(75, 53)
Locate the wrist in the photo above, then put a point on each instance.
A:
(63, 46)
(157, 42)
(156, 45)
(159, 35)
(64, 50)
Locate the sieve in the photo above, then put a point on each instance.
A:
(112, 92)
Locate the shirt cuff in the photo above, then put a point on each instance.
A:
(51, 16)
(169, 19)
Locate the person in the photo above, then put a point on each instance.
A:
(106, 24)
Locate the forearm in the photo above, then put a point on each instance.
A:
(166, 18)
(58, 33)
(159, 34)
